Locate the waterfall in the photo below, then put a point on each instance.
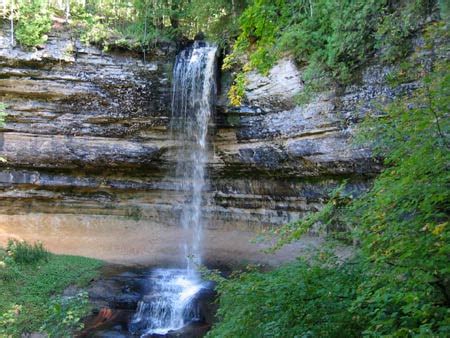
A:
(171, 302)
(194, 89)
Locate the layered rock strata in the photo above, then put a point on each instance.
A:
(87, 144)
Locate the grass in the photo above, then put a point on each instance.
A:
(30, 292)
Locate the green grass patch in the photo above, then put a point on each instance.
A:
(30, 294)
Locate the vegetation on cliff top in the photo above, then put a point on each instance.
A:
(331, 38)
(31, 283)
(135, 24)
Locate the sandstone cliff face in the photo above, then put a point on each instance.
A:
(284, 158)
(76, 119)
(87, 135)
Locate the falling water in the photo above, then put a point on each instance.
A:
(192, 103)
(171, 303)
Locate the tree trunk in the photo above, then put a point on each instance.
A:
(67, 10)
(174, 22)
(12, 23)
(233, 11)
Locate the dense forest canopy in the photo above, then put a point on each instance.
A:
(135, 23)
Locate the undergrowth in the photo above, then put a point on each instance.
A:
(33, 25)
(31, 283)
(398, 282)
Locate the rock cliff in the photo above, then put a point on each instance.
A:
(88, 153)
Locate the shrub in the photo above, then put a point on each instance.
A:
(237, 90)
(65, 314)
(296, 300)
(402, 223)
(24, 253)
(34, 24)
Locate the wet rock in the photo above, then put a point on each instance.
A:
(112, 316)
(193, 330)
(121, 292)
(206, 300)
(107, 323)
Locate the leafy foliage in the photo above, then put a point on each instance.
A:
(27, 302)
(400, 276)
(65, 314)
(297, 300)
(34, 24)
(141, 23)
(404, 231)
(136, 24)
(237, 90)
(393, 32)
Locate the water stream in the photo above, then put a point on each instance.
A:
(194, 89)
(171, 304)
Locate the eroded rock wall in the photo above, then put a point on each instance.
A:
(87, 136)
(283, 158)
(80, 125)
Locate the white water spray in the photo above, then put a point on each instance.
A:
(194, 89)
(171, 303)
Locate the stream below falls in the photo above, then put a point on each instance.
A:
(150, 302)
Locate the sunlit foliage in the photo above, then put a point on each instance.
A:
(398, 283)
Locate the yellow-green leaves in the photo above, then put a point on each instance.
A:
(237, 90)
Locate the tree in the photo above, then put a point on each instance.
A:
(2, 122)
(11, 19)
